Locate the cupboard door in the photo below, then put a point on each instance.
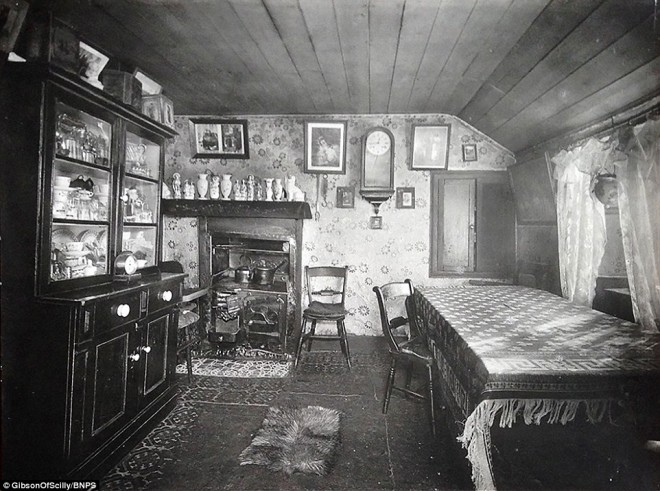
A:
(112, 391)
(458, 225)
(155, 348)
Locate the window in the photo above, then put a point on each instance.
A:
(472, 224)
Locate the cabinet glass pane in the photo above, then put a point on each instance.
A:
(80, 136)
(80, 192)
(78, 250)
(141, 241)
(142, 156)
(140, 200)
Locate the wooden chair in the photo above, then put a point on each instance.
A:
(326, 292)
(412, 352)
(189, 316)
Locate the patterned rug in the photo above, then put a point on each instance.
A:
(210, 367)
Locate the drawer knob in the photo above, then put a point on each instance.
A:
(123, 310)
(166, 296)
(134, 356)
(146, 349)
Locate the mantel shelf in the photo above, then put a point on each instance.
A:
(295, 210)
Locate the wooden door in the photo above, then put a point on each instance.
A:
(154, 348)
(458, 225)
(109, 392)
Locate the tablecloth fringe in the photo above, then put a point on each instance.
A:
(476, 434)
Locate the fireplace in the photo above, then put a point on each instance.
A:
(245, 233)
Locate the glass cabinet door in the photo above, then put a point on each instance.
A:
(140, 198)
(81, 180)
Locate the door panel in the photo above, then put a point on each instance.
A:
(110, 382)
(156, 357)
(458, 225)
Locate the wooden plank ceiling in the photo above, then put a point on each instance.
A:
(521, 71)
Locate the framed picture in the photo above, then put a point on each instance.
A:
(405, 197)
(12, 16)
(470, 152)
(376, 222)
(345, 197)
(219, 138)
(325, 147)
(430, 146)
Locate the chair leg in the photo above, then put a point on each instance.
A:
(389, 385)
(301, 340)
(312, 332)
(409, 374)
(189, 363)
(343, 341)
(430, 369)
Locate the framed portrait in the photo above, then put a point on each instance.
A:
(430, 146)
(219, 138)
(470, 152)
(405, 197)
(345, 197)
(325, 147)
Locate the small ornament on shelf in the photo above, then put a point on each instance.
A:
(176, 185)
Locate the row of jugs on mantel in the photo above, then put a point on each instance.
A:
(250, 189)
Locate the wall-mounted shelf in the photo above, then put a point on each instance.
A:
(236, 209)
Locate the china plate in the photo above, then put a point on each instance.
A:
(61, 236)
(88, 237)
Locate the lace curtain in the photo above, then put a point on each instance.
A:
(580, 220)
(639, 213)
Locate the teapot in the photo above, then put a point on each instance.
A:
(80, 183)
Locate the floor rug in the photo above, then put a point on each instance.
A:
(295, 440)
(238, 368)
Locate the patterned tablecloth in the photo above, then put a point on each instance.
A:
(511, 352)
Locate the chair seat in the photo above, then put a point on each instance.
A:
(416, 349)
(187, 317)
(328, 311)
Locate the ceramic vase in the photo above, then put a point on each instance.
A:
(269, 189)
(225, 186)
(278, 190)
(214, 188)
(202, 185)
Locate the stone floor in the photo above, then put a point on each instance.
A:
(197, 446)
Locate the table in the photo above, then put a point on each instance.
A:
(511, 353)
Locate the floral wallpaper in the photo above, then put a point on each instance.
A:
(338, 236)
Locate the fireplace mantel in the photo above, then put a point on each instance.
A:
(295, 210)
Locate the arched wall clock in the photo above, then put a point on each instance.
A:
(377, 166)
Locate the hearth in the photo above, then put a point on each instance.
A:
(242, 233)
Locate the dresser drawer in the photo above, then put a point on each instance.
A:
(164, 296)
(120, 310)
